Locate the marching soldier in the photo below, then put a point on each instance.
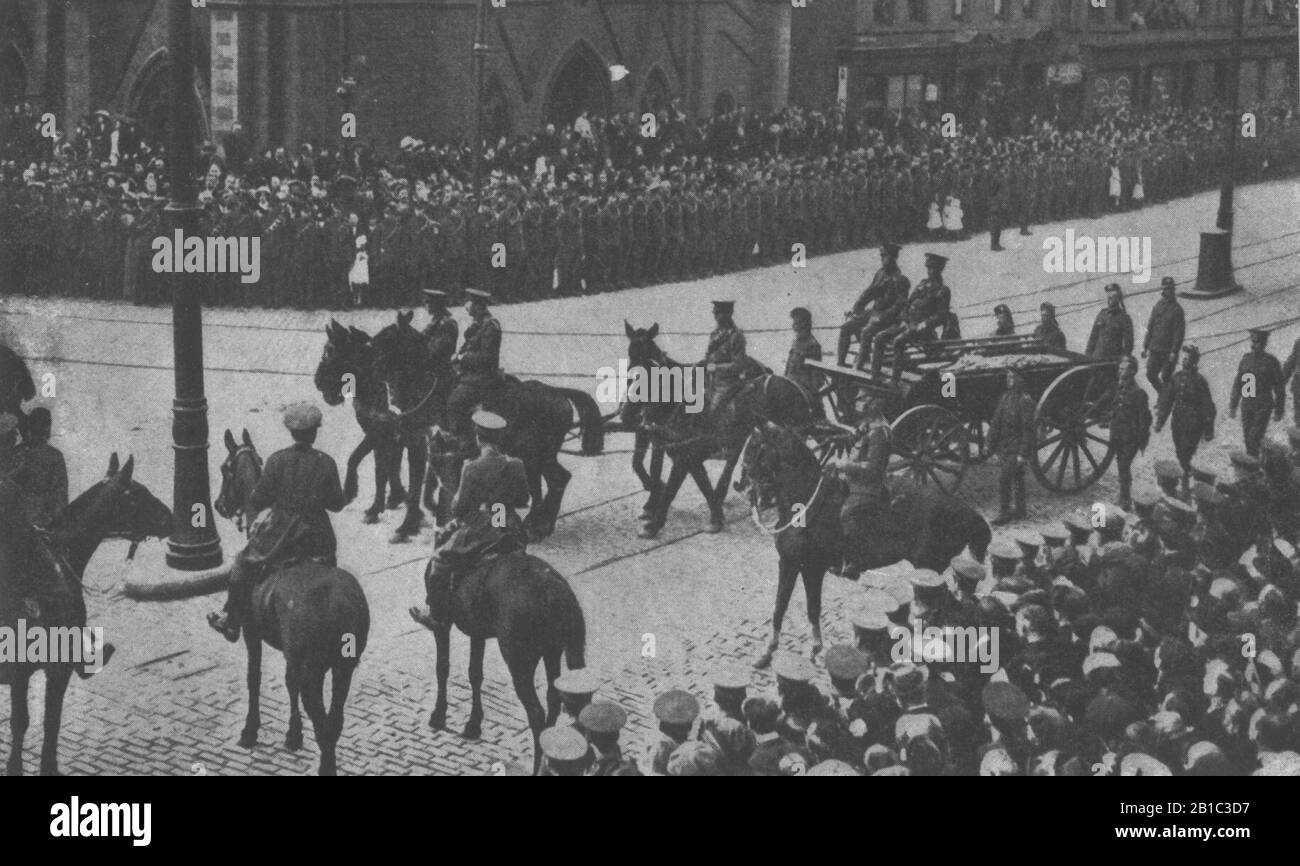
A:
(1130, 427)
(488, 484)
(1011, 437)
(925, 310)
(725, 358)
(479, 364)
(804, 348)
(1164, 337)
(1187, 399)
(1048, 332)
(1112, 332)
(1259, 390)
(887, 287)
(442, 332)
(299, 486)
(866, 473)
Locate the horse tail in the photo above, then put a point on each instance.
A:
(589, 419)
(574, 629)
(981, 536)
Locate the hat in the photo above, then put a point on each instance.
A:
(602, 717)
(898, 587)
(8, 423)
(439, 294)
(731, 677)
(577, 682)
(1077, 524)
(1115, 520)
(1004, 549)
(892, 248)
(1055, 534)
(482, 295)
(1168, 470)
(925, 578)
(1140, 764)
(677, 708)
(760, 712)
(1001, 309)
(801, 314)
(724, 306)
(1114, 288)
(934, 260)
(302, 416)
(967, 569)
(793, 668)
(1259, 332)
(846, 662)
(1167, 281)
(564, 744)
(1192, 351)
(832, 767)
(1005, 702)
(488, 421)
(1244, 461)
(1028, 540)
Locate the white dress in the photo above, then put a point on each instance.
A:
(360, 273)
(1114, 182)
(1139, 191)
(935, 221)
(952, 215)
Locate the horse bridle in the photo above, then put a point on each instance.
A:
(238, 512)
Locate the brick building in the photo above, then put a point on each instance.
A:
(1082, 56)
(275, 66)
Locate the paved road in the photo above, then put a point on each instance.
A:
(172, 701)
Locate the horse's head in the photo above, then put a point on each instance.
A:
(775, 457)
(346, 352)
(121, 507)
(240, 472)
(642, 351)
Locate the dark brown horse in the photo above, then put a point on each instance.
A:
(531, 611)
(347, 372)
(318, 617)
(691, 438)
(116, 507)
(925, 526)
(540, 416)
(16, 385)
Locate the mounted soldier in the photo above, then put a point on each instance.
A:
(866, 473)
(16, 385)
(725, 360)
(299, 486)
(493, 487)
(479, 366)
(804, 348)
(442, 332)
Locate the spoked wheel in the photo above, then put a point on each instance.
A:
(1072, 429)
(977, 440)
(830, 441)
(931, 446)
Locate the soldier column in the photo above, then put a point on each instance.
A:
(191, 547)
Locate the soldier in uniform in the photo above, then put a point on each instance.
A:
(804, 348)
(676, 712)
(565, 752)
(40, 472)
(1048, 332)
(1289, 374)
(479, 364)
(1006, 325)
(442, 332)
(1259, 390)
(887, 287)
(1164, 338)
(926, 309)
(866, 473)
(1011, 437)
(1130, 426)
(1187, 399)
(602, 722)
(489, 484)
(724, 360)
(1112, 332)
(299, 485)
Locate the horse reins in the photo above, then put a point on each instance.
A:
(753, 499)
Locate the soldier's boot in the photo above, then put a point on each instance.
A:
(434, 614)
(230, 619)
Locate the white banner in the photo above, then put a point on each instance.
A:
(225, 69)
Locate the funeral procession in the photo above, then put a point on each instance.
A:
(692, 388)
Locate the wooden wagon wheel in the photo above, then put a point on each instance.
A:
(1073, 448)
(830, 440)
(931, 446)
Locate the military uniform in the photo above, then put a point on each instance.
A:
(1050, 335)
(441, 335)
(1269, 397)
(805, 348)
(480, 369)
(1163, 341)
(1011, 436)
(868, 499)
(887, 289)
(925, 310)
(41, 473)
(1289, 371)
(726, 355)
(1130, 429)
(1112, 334)
(1188, 401)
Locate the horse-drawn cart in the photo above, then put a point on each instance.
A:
(942, 405)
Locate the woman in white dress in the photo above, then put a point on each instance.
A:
(1139, 188)
(952, 216)
(934, 225)
(1115, 186)
(359, 276)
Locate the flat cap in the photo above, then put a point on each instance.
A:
(489, 421)
(564, 744)
(8, 423)
(1260, 332)
(1028, 539)
(967, 569)
(480, 294)
(1003, 549)
(602, 717)
(731, 677)
(1005, 702)
(676, 708)
(302, 416)
(1055, 534)
(1167, 281)
(1141, 764)
(793, 668)
(1078, 524)
(846, 662)
(1204, 477)
(925, 578)
(577, 682)
(832, 767)
(1192, 352)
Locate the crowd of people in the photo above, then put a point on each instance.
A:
(599, 204)
(1157, 641)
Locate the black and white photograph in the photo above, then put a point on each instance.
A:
(651, 388)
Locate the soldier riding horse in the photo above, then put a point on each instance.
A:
(16, 386)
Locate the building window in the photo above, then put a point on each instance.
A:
(916, 11)
(958, 10)
(884, 12)
(999, 11)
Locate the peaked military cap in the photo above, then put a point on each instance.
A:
(577, 682)
(731, 677)
(967, 569)
(1055, 534)
(435, 294)
(602, 717)
(892, 248)
(489, 421)
(564, 744)
(1003, 549)
(480, 294)
(934, 260)
(794, 669)
(925, 578)
(724, 306)
(846, 662)
(676, 708)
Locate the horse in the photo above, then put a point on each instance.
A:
(691, 438)
(316, 615)
(116, 507)
(925, 525)
(540, 418)
(16, 386)
(243, 464)
(346, 370)
(533, 614)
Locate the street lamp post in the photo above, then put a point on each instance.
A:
(1214, 273)
(347, 83)
(480, 59)
(191, 547)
